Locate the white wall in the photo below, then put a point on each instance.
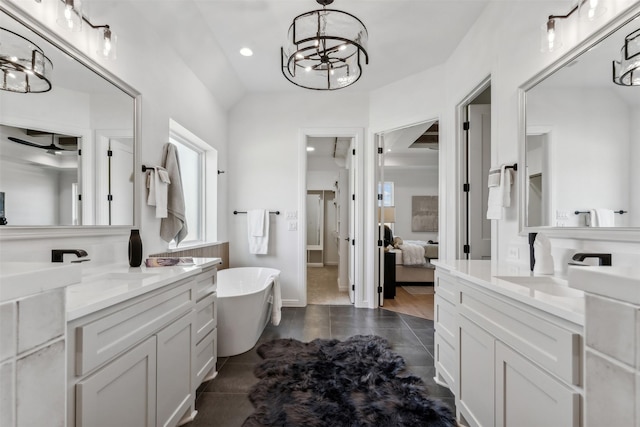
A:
(408, 183)
(264, 170)
(169, 90)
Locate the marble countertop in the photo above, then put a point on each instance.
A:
(21, 279)
(482, 273)
(105, 286)
(621, 283)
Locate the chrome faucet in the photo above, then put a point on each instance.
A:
(58, 254)
(603, 259)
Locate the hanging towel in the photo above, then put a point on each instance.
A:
(158, 188)
(499, 183)
(601, 218)
(174, 226)
(276, 309)
(258, 231)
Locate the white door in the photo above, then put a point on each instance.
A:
(121, 181)
(351, 164)
(479, 163)
(380, 219)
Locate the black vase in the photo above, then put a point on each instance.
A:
(135, 249)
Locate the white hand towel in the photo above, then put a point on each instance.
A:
(276, 309)
(258, 244)
(499, 182)
(174, 226)
(158, 187)
(255, 217)
(604, 217)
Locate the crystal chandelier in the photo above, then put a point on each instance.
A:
(325, 49)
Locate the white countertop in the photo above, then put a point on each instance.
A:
(21, 279)
(621, 283)
(105, 286)
(482, 273)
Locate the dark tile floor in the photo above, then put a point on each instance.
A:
(223, 401)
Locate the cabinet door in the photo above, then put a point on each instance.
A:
(175, 370)
(476, 383)
(527, 396)
(122, 393)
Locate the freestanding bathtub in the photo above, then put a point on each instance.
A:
(245, 300)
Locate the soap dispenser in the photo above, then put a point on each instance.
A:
(543, 258)
(532, 256)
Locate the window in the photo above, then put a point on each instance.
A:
(198, 168)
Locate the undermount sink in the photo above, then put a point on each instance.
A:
(545, 284)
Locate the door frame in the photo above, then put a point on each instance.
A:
(358, 140)
(461, 157)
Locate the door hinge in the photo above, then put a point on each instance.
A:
(109, 153)
(80, 197)
(353, 242)
(79, 152)
(353, 287)
(353, 197)
(466, 249)
(380, 196)
(380, 243)
(380, 150)
(466, 187)
(379, 289)
(353, 152)
(110, 197)
(465, 126)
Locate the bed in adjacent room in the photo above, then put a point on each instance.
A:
(413, 261)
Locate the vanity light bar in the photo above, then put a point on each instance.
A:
(72, 9)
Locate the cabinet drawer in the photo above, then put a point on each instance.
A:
(104, 338)
(205, 283)
(206, 316)
(206, 356)
(554, 348)
(446, 287)
(445, 319)
(445, 356)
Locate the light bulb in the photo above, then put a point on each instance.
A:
(307, 69)
(299, 56)
(343, 46)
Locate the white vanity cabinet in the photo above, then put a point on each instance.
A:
(139, 362)
(206, 350)
(513, 365)
(446, 326)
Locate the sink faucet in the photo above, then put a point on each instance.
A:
(57, 254)
(603, 259)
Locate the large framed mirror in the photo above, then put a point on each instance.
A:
(580, 141)
(67, 154)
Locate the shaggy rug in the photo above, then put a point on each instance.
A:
(357, 382)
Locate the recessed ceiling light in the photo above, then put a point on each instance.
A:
(245, 51)
(311, 149)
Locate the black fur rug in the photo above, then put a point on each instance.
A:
(358, 382)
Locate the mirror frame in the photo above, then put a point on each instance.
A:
(20, 232)
(615, 234)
